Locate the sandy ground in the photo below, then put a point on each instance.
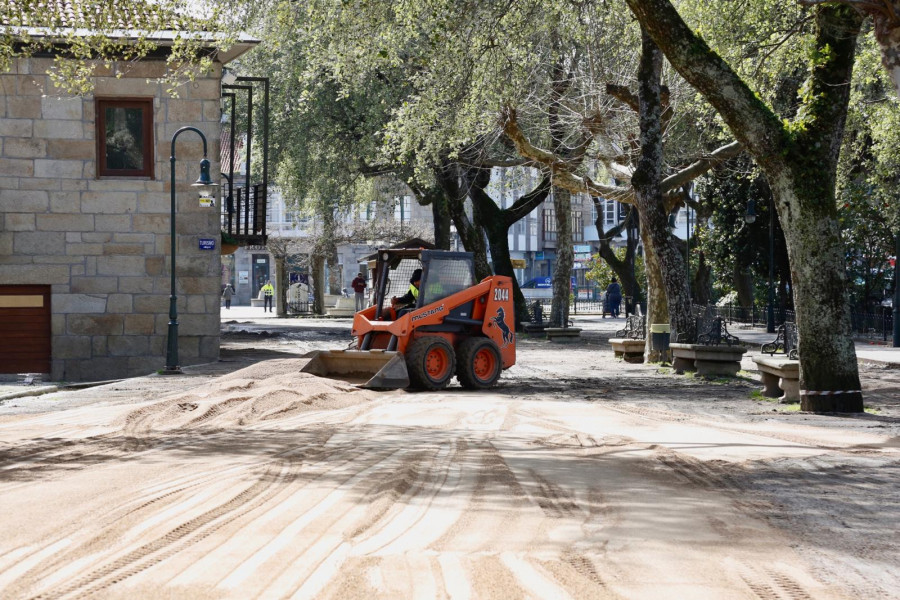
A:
(578, 477)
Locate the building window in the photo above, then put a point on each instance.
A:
(549, 225)
(125, 138)
(610, 216)
(577, 227)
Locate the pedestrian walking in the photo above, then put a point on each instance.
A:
(614, 297)
(359, 287)
(227, 295)
(268, 293)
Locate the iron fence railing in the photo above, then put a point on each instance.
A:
(244, 214)
(877, 325)
(299, 308)
(755, 315)
(871, 325)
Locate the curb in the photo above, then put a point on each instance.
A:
(32, 392)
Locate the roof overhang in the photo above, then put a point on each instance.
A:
(227, 49)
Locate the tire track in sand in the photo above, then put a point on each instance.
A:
(190, 532)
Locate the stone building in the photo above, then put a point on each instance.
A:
(85, 220)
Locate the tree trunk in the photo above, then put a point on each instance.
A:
(565, 259)
(448, 178)
(800, 165)
(317, 264)
(472, 239)
(647, 179)
(496, 223)
(702, 281)
(743, 285)
(334, 273)
(441, 215)
(281, 284)
(436, 198)
(657, 307)
(828, 357)
(498, 238)
(623, 269)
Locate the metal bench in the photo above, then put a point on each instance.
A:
(536, 321)
(785, 341)
(709, 356)
(635, 329)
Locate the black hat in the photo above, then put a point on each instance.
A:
(416, 276)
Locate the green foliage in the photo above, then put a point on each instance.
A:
(868, 199)
(87, 36)
(765, 41)
(598, 270)
(730, 244)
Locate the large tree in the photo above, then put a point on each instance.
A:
(799, 158)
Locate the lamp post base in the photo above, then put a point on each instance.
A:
(171, 371)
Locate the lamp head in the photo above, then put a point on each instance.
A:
(204, 180)
(750, 215)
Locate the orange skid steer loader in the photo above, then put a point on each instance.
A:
(453, 326)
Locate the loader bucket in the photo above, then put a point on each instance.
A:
(373, 369)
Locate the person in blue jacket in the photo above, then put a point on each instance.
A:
(613, 297)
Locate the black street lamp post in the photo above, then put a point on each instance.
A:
(896, 301)
(770, 314)
(204, 180)
(750, 217)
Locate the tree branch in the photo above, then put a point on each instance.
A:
(559, 169)
(701, 166)
(528, 202)
(712, 76)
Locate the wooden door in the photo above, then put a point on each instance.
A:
(24, 328)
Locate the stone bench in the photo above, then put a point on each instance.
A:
(779, 375)
(563, 334)
(629, 350)
(707, 360)
(342, 306)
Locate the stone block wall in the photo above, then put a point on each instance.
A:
(103, 244)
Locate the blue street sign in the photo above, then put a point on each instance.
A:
(207, 244)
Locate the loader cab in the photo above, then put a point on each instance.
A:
(458, 327)
(443, 273)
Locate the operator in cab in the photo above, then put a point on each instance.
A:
(409, 299)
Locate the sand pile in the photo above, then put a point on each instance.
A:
(269, 390)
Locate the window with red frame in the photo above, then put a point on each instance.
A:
(125, 137)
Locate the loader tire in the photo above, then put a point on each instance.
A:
(431, 363)
(478, 363)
